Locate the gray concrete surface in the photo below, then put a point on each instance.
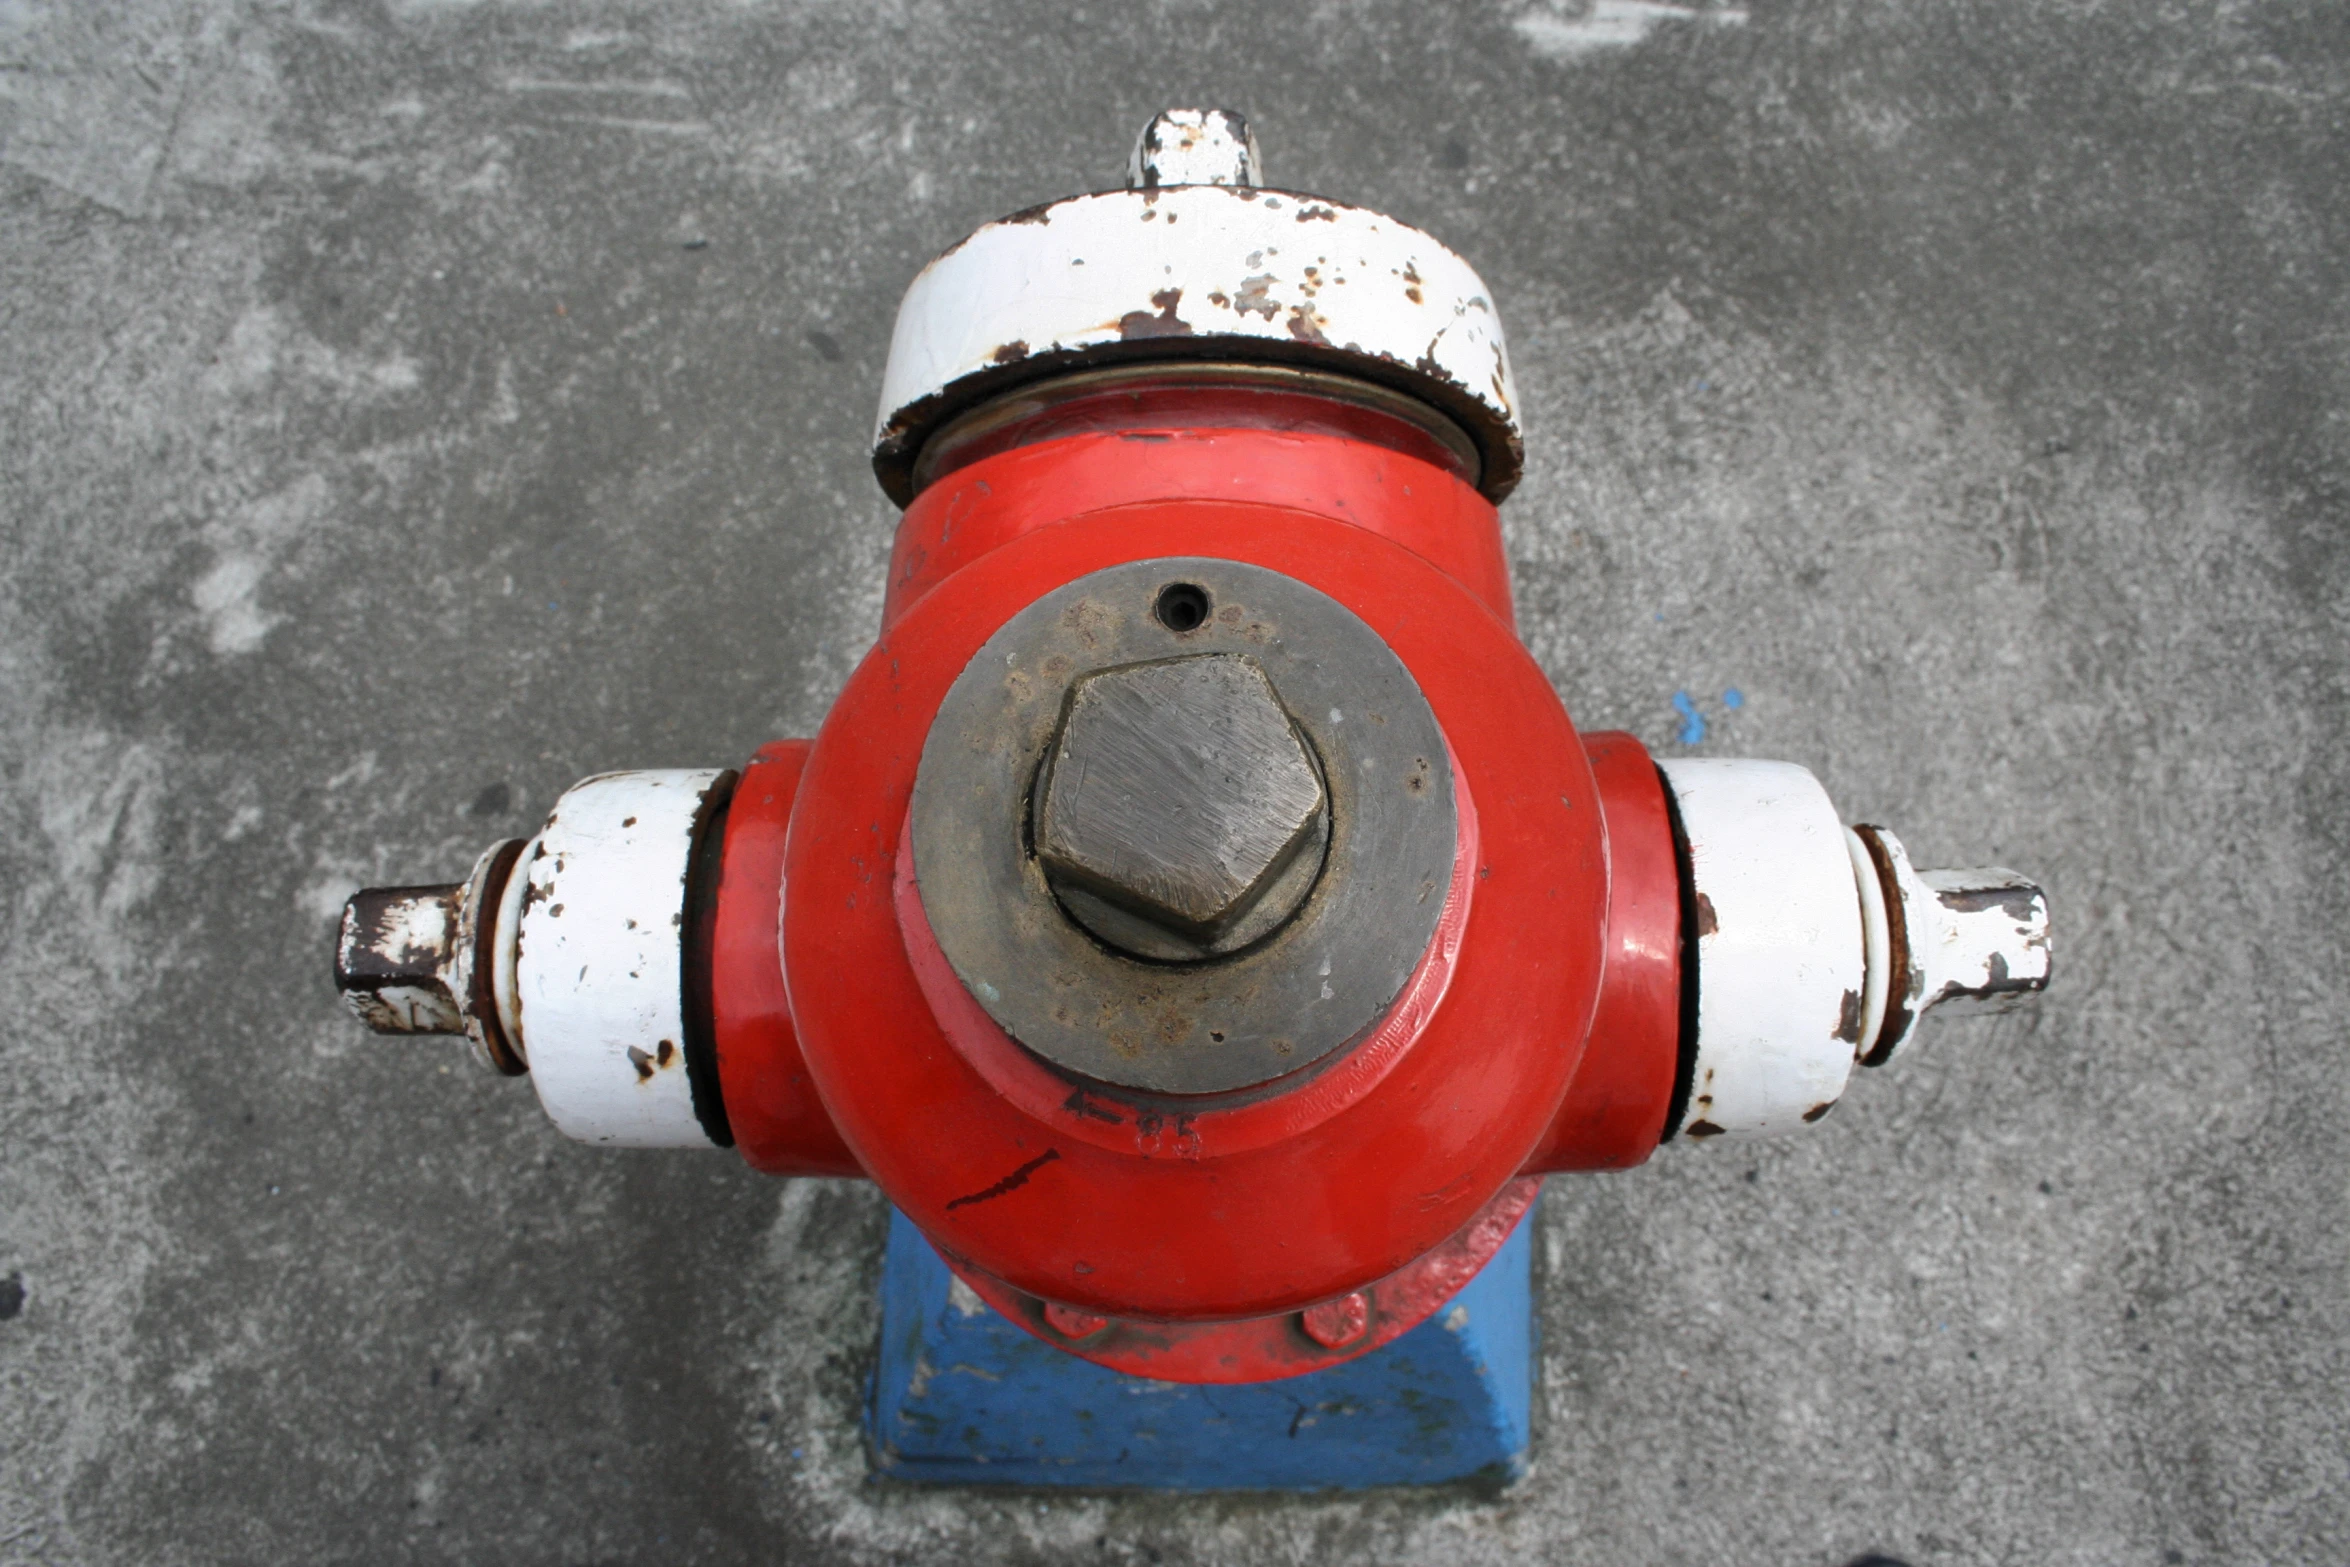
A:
(408, 408)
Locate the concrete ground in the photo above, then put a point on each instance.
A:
(408, 408)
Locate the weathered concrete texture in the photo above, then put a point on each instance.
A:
(406, 409)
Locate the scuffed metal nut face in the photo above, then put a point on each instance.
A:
(393, 961)
(1178, 792)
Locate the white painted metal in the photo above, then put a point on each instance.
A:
(1977, 941)
(598, 969)
(1876, 941)
(1780, 971)
(1194, 271)
(1195, 147)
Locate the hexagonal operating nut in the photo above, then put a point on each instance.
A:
(1178, 792)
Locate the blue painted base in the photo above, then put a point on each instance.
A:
(962, 1397)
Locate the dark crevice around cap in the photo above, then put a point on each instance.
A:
(482, 1003)
(701, 920)
(1685, 1068)
(1899, 1014)
(898, 447)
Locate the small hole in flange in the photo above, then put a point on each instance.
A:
(1182, 606)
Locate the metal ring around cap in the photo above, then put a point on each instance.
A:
(1311, 987)
(975, 427)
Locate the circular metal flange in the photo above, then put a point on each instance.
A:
(1266, 1349)
(1306, 989)
(1038, 410)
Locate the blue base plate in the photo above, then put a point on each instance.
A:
(962, 1397)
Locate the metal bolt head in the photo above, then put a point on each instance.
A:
(1334, 1324)
(1071, 1323)
(1195, 147)
(418, 960)
(394, 959)
(1179, 793)
(1958, 940)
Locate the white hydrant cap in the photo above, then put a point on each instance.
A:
(1202, 265)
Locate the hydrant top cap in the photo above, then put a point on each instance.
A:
(1224, 271)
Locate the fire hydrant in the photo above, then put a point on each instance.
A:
(1198, 913)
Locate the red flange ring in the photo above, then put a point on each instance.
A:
(1614, 1112)
(1265, 1349)
(1270, 1229)
(975, 510)
(778, 1122)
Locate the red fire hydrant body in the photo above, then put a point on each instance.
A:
(1306, 1192)
(1198, 913)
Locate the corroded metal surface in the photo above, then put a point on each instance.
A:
(1281, 1005)
(1323, 1335)
(1197, 271)
(1818, 946)
(1195, 147)
(487, 919)
(392, 958)
(420, 960)
(1179, 793)
(1964, 940)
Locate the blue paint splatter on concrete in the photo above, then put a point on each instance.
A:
(1733, 699)
(1693, 723)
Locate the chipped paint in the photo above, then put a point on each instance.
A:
(598, 984)
(410, 960)
(1780, 964)
(1116, 275)
(1818, 946)
(1963, 940)
(1195, 147)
